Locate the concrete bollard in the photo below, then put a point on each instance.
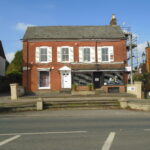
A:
(123, 103)
(13, 89)
(39, 104)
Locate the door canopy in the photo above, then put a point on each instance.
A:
(65, 68)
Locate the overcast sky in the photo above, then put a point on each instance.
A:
(16, 15)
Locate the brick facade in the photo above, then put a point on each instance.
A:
(148, 59)
(30, 76)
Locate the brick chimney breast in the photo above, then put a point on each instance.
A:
(113, 20)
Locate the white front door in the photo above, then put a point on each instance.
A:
(66, 79)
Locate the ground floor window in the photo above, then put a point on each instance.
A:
(44, 79)
(113, 78)
(98, 78)
(82, 78)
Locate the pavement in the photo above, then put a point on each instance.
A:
(133, 103)
(75, 130)
(6, 98)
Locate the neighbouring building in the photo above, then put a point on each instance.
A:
(2, 60)
(147, 50)
(59, 57)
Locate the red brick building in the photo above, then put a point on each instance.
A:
(58, 57)
(147, 50)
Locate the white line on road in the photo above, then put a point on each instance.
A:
(108, 141)
(9, 140)
(42, 133)
(146, 129)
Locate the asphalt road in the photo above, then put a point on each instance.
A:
(75, 130)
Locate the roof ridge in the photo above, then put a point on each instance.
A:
(74, 32)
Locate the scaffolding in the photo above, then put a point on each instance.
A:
(132, 51)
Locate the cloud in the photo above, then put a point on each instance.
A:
(10, 56)
(22, 26)
(140, 49)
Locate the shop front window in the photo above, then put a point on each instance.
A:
(113, 78)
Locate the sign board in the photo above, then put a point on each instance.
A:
(128, 68)
(131, 88)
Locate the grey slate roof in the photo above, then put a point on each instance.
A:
(74, 32)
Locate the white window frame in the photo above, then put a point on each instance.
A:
(44, 47)
(68, 54)
(107, 54)
(62, 54)
(86, 61)
(110, 52)
(46, 70)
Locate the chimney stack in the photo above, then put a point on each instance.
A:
(113, 20)
(147, 49)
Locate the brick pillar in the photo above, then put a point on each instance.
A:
(148, 59)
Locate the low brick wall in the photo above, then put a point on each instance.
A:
(122, 88)
(82, 88)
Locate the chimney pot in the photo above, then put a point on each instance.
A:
(113, 20)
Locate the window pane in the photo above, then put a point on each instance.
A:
(104, 54)
(43, 51)
(113, 78)
(44, 78)
(65, 54)
(86, 54)
(43, 54)
(82, 78)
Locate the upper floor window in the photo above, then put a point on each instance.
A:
(105, 55)
(65, 54)
(86, 54)
(43, 54)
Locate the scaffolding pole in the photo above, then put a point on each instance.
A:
(131, 58)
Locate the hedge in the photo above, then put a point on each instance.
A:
(8, 79)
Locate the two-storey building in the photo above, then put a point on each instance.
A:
(2, 60)
(59, 57)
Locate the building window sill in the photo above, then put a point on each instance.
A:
(42, 88)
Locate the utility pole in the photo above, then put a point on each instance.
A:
(131, 58)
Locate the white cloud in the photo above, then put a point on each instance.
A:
(140, 49)
(22, 26)
(10, 56)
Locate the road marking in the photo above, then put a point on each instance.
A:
(108, 141)
(146, 129)
(42, 133)
(9, 140)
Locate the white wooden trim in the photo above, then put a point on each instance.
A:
(110, 52)
(81, 54)
(92, 54)
(43, 69)
(49, 54)
(37, 55)
(71, 54)
(47, 70)
(58, 54)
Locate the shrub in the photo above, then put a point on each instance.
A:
(74, 87)
(8, 79)
(90, 87)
